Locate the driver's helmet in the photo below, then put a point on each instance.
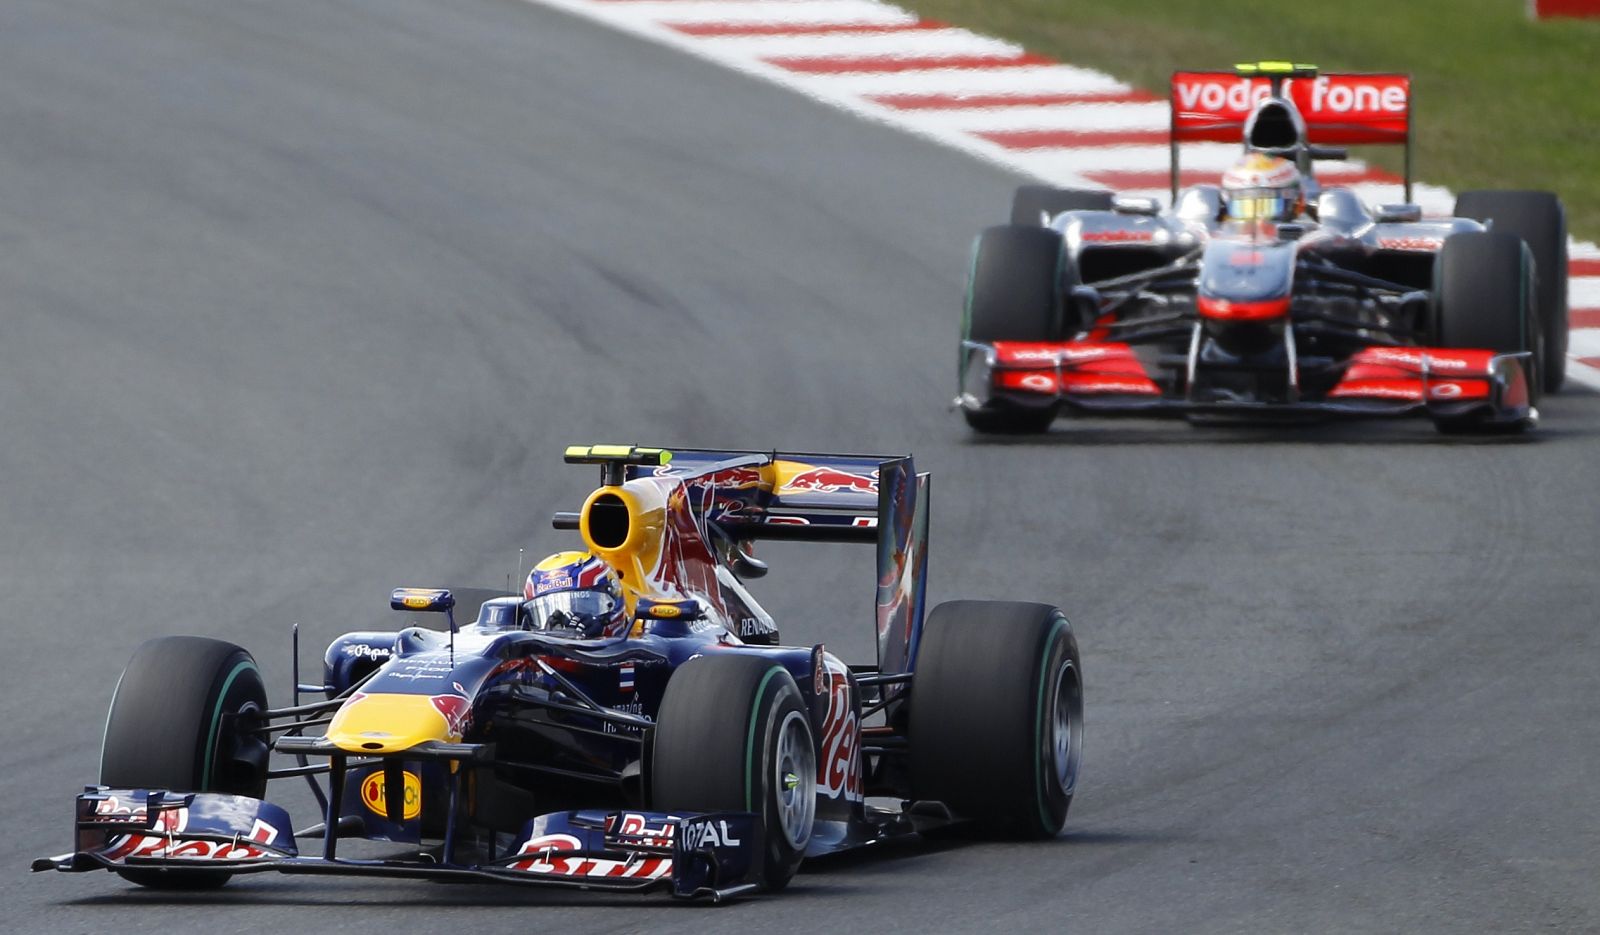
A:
(573, 594)
(1262, 188)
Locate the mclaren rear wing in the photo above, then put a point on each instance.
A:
(1337, 109)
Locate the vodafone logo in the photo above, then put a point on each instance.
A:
(1219, 97)
(1337, 108)
(1356, 96)
(1118, 236)
(1334, 94)
(1410, 243)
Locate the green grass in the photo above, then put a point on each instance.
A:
(1499, 101)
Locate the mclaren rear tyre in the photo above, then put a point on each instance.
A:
(1539, 219)
(1013, 294)
(181, 720)
(733, 735)
(1484, 298)
(1035, 205)
(996, 727)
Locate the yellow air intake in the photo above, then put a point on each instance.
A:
(623, 525)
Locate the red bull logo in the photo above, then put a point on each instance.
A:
(734, 478)
(829, 480)
(545, 854)
(457, 712)
(739, 478)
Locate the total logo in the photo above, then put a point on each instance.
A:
(374, 798)
(706, 833)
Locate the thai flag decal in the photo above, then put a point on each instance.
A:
(625, 677)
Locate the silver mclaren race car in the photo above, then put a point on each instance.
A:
(1268, 295)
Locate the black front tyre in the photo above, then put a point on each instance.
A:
(180, 720)
(1014, 293)
(733, 734)
(996, 727)
(1540, 220)
(1484, 298)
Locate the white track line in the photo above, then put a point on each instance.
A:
(1584, 292)
(1146, 116)
(753, 11)
(969, 81)
(879, 44)
(1063, 143)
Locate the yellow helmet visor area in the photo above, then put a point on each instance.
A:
(1260, 204)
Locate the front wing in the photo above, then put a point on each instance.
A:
(1108, 378)
(710, 855)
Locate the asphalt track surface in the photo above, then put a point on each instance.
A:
(301, 301)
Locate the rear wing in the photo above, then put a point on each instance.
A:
(806, 497)
(799, 496)
(1336, 109)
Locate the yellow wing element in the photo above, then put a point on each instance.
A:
(1269, 69)
(626, 454)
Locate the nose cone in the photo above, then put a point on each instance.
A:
(382, 723)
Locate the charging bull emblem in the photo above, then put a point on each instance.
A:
(828, 480)
(457, 713)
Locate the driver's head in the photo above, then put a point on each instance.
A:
(1262, 188)
(573, 594)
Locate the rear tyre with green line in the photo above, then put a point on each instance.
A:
(996, 726)
(181, 720)
(733, 735)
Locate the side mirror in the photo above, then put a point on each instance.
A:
(425, 600)
(685, 609)
(1389, 214)
(1124, 204)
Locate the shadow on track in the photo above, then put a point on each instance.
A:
(1565, 418)
(266, 889)
(1100, 433)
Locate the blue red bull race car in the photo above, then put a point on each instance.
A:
(689, 752)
